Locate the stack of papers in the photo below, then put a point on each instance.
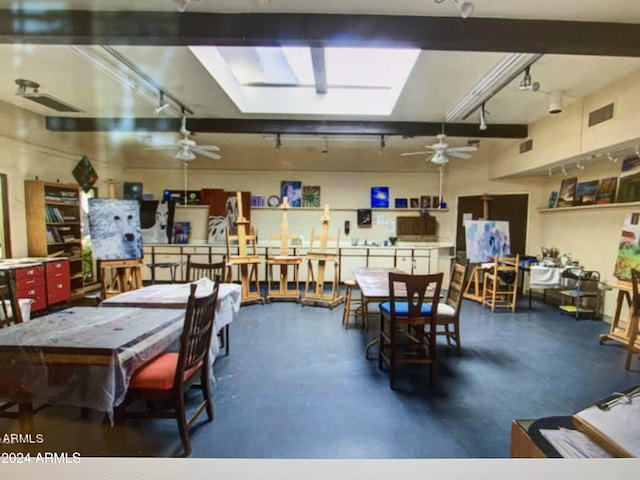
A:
(574, 444)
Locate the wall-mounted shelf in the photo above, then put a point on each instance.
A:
(293, 209)
(590, 207)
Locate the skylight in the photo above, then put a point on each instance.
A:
(285, 80)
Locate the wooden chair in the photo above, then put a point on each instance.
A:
(218, 272)
(448, 322)
(408, 322)
(501, 283)
(169, 376)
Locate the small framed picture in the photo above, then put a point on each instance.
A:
(401, 203)
(414, 203)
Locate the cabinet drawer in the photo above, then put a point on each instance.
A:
(58, 291)
(30, 276)
(57, 271)
(37, 294)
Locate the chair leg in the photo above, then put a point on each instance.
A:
(226, 340)
(182, 426)
(392, 356)
(206, 393)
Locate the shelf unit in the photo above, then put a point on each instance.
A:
(319, 209)
(582, 295)
(53, 226)
(590, 207)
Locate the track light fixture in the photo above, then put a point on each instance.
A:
(550, 171)
(612, 158)
(526, 83)
(483, 120)
(637, 150)
(162, 105)
(278, 141)
(564, 170)
(325, 145)
(579, 166)
(382, 144)
(555, 102)
(23, 85)
(465, 8)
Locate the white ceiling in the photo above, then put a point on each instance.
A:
(438, 81)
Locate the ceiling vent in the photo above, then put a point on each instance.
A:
(600, 115)
(43, 99)
(526, 146)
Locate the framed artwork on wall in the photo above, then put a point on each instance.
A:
(401, 203)
(379, 197)
(425, 201)
(292, 189)
(414, 203)
(586, 193)
(364, 217)
(311, 196)
(607, 191)
(629, 185)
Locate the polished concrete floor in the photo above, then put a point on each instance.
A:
(297, 385)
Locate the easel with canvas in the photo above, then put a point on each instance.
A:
(246, 260)
(322, 256)
(118, 276)
(279, 288)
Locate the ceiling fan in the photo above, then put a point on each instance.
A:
(441, 149)
(187, 148)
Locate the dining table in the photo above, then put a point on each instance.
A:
(83, 356)
(175, 296)
(374, 287)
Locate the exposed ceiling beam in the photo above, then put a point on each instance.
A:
(427, 33)
(310, 127)
(319, 69)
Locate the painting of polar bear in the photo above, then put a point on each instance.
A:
(156, 220)
(115, 229)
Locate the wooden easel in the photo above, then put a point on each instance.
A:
(247, 262)
(475, 281)
(124, 275)
(314, 285)
(279, 288)
(625, 332)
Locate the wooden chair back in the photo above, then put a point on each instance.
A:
(216, 271)
(10, 313)
(414, 290)
(455, 292)
(196, 336)
(505, 270)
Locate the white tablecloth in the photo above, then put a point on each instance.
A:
(542, 276)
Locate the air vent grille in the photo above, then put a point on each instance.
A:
(50, 102)
(526, 146)
(600, 115)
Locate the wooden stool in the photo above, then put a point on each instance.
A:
(352, 306)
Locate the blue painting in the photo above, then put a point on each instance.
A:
(379, 197)
(487, 239)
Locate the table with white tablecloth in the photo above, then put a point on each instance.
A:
(175, 295)
(543, 277)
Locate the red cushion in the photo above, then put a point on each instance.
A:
(159, 373)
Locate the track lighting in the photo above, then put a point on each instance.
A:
(483, 120)
(23, 85)
(555, 102)
(550, 171)
(564, 170)
(325, 145)
(637, 150)
(579, 166)
(162, 105)
(526, 83)
(466, 8)
(382, 144)
(278, 141)
(612, 158)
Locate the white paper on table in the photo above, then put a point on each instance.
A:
(574, 444)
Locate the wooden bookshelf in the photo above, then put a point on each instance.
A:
(53, 226)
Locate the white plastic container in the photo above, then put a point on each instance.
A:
(25, 309)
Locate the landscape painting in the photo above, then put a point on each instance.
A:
(586, 193)
(567, 192)
(486, 239)
(607, 191)
(628, 247)
(629, 186)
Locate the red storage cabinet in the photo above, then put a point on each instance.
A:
(58, 282)
(31, 283)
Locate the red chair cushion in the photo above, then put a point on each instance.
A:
(159, 373)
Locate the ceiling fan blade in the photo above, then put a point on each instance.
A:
(212, 148)
(463, 149)
(406, 154)
(206, 153)
(458, 154)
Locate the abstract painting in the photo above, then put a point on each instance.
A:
(311, 196)
(379, 197)
(115, 229)
(84, 174)
(486, 239)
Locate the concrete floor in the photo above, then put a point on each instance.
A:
(297, 385)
